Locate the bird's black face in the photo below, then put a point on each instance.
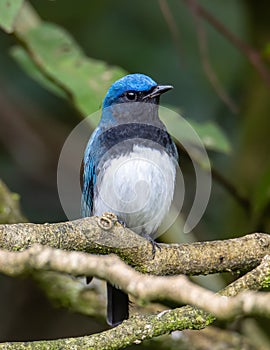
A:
(130, 100)
(149, 96)
(137, 96)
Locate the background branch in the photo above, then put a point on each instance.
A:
(172, 25)
(203, 47)
(252, 55)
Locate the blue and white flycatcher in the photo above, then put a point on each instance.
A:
(129, 166)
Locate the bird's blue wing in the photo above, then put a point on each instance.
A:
(88, 188)
(88, 177)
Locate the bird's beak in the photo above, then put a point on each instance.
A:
(158, 90)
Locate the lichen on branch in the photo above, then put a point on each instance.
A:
(91, 236)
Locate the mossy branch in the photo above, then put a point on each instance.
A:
(65, 247)
(140, 327)
(148, 288)
(104, 235)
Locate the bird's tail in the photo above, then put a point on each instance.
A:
(117, 305)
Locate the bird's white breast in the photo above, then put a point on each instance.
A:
(137, 187)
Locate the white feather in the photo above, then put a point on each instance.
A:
(137, 187)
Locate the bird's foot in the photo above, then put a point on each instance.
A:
(154, 244)
(121, 222)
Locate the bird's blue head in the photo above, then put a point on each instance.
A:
(133, 98)
(134, 88)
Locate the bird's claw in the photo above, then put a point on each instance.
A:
(121, 222)
(154, 244)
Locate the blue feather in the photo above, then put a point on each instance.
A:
(131, 82)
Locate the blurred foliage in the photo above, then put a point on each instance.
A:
(262, 194)
(10, 212)
(62, 62)
(103, 40)
(55, 60)
(8, 12)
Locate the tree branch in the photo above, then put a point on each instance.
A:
(103, 235)
(148, 288)
(132, 331)
(140, 327)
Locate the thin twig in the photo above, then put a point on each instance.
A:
(167, 14)
(203, 47)
(252, 55)
(228, 185)
(232, 189)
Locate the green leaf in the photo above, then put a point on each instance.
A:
(84, 80)
(212, 136)
(9, 10)
(185, 130)
(22, 57)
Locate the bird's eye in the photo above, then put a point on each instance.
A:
(131, 96)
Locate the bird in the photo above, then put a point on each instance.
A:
(129, 167)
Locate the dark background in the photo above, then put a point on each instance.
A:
(135, 36)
